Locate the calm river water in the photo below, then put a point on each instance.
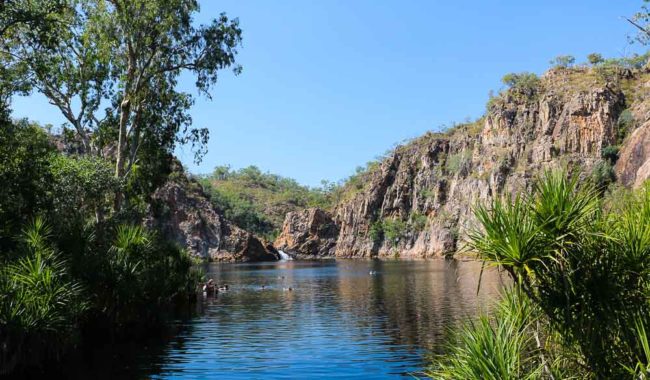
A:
(342, 319)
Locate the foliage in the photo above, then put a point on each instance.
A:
(501, 347)
(137, 262)
(84, 246)
(113, 72)
(610, 153)
(563, 61)
(642, 368)
(357, 181)
(81, 185)
(520, 81)
(41, 19)
(585, 266)
(457, 161)
(258, 201)
(418, 221)
(376, 231)
(641, 20)
(393, 230)
(39, 302)
(595, 59)
(603, 174)
(25, 176)
(521, 86)
(111, 67)
(625, 124)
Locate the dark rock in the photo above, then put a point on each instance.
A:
(182, 213)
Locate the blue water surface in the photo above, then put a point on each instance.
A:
(341, 319)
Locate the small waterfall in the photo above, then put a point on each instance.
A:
(284, 256)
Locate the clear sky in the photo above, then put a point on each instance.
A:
(328, 85)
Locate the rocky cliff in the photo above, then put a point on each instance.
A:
(183, 213)
(311, 233)
(417, 202)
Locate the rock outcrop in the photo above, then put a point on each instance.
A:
(417, 202)
(633, 166)
(311, 233)
(182, 213)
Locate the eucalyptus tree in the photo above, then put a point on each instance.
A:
(114, 72)
(39, 18)
(641, 21)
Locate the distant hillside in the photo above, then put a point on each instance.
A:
(257, 201)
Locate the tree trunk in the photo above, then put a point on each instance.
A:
(125, 110)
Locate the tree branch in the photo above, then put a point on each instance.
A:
(641, 28)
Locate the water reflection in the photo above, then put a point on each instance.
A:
(368, 319)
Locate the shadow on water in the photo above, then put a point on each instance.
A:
(308, 319)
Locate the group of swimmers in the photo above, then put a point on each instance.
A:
(210, 288)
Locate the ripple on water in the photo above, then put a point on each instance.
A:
(339, 321)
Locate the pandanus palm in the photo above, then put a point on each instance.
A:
(587, 269)
(38, 300)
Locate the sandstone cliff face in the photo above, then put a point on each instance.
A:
(311, 232)
(633, 166)
(418, 202)
(183, 213)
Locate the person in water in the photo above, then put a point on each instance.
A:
(209, 287)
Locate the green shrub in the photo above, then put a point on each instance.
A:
(563, 61)
(82, 186)
(523, 87)
(456, 161)
(137, 279)
(501, 347)
(39, 303)
(610, 154)
(603, 175)
(25, 177)
(595, 59)
(625, 124)
(394, 230)
(417, 222)
(376, 231)
(521, 81)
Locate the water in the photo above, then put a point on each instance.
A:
(284, 256)
(342, 319)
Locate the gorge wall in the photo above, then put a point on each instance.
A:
(417, 202)
(183, 213)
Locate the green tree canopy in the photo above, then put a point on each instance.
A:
(113, 73)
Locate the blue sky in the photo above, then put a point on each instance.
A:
(329, 85)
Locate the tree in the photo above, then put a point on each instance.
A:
(114, 73)
(41, 19)
(221, 172)
(641, 21)
(563, 61)
(523, 80)
(25, 176)
(595, 59)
